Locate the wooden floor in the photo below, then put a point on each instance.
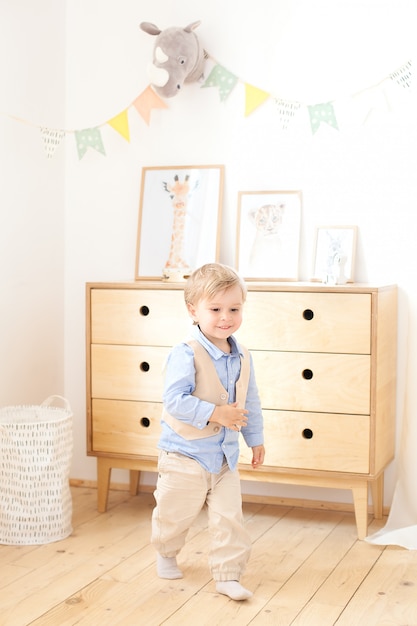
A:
(307, 567)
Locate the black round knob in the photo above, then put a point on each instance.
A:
(308, 314)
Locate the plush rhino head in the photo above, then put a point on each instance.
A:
(178, 58)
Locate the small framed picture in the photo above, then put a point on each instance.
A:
(268, 235)
(179, 220)
(334, 254)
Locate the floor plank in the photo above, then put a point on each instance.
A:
(307, 568)
(300, 587)
(388, 595)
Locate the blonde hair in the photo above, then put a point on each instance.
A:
(210, 279)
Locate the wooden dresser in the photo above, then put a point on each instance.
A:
(325, 363)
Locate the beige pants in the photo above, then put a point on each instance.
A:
(183, 488)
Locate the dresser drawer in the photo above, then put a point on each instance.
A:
(308, 322)
(314, 441)
(300, 381)
(138, 317)
(325, 364)
(123, 427)
(128, 372)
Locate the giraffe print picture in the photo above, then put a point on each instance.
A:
(268, 234)
(179, 220)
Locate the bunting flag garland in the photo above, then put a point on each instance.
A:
(88, 138)
(147, 101)
(286, 111)
(322, 113)
(375, 101)
(376, 98)
(403, 75)
(254, 98)
(52, 137)
(120, 123)
(223, 79)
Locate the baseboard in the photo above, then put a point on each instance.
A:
(248, 497)
(92, 484)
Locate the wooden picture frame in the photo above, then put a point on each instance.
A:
(334, 254)
(179, 220)
(268, 235)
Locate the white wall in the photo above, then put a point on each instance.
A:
(298, 50)
(32, 202)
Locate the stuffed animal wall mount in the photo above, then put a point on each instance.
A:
(178, 58)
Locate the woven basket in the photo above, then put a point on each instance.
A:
(35, 457)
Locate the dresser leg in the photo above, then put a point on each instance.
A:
(134, 482)
(103, 483)
(360, 501)
(377, 490)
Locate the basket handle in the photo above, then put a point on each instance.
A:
(51, 399)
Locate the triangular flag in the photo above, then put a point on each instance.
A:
(120, 123)
(372, 101)
(254, 98)
(286, 111)
(88, 138)
(323, 112)
(52, 137)
(223, 79)
(147, 101)
(403, 75)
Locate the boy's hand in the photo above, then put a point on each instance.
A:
(258, 455)
(230, 416)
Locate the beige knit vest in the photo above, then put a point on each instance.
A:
(208, 387)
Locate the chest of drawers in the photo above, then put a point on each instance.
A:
(325, 363)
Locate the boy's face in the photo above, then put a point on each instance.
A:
(220, 316)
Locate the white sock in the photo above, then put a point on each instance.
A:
(233, 589)
(166, 567)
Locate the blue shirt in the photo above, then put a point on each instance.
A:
(210, 452)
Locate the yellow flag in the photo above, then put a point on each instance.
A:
(120, 123)
(254, 98)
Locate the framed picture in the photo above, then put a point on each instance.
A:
(179, 220)
(268, 234)
(334, 254)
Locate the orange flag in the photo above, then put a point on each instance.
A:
(147, 101)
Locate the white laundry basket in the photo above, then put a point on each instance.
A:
(35, 456)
